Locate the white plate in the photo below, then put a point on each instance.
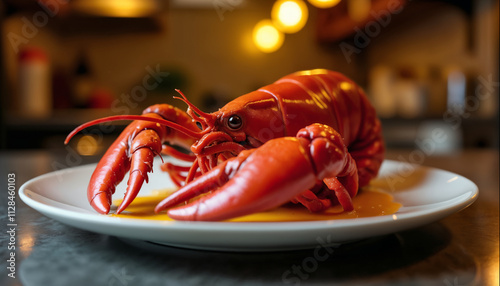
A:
(426, 195)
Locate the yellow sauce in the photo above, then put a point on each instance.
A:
(368, 203)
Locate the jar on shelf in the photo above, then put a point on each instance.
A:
(34, 84)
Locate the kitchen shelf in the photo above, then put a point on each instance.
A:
(473, 132)
(25, 133)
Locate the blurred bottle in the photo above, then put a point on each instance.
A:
(410, 94)
(34, 84)
(381, 91)
(456, 90)
(83, 84)
(437, 91)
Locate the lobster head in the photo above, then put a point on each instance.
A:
(244, 123)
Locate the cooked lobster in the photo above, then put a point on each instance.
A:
(311, 137)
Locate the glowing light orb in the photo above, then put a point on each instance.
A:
(323, 4)
(266, 37)
(289, 16)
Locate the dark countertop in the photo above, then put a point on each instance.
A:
(462, 249)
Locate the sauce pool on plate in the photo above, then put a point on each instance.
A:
(368, 203)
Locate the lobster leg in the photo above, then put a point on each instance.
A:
(336, 167)
(249, 182)
(134, 151)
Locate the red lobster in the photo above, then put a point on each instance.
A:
(311, 137)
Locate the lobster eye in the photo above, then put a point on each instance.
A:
(234, 122)
(199, 125)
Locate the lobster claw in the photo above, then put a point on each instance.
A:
(134, 150)
(246, 184)
(281, 170)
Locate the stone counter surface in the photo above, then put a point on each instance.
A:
(462, 249)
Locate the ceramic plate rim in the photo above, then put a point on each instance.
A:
(389, 224)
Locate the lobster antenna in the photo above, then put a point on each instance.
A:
(200, 115)
(161, 121)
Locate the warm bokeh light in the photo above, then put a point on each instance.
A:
(289, 16)
(117, 8)
(358, 10)
(323, 4)
(266, 37)
(87, 145)
(27, 240)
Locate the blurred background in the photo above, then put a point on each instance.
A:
(429, 67)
